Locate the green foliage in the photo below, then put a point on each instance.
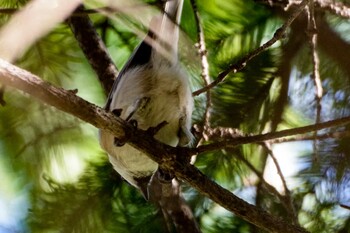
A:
(56, 161)
(100, 200)
(53, 57)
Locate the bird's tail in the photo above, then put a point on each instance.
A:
(167, 30)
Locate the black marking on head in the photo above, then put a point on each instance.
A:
(141, 56)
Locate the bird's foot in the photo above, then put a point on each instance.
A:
(121, 141)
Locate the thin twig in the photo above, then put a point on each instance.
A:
(205, 68)
(288, 195)
(234, 68)
(266, 185)
(271, 136)
(335, 135)
(268, 148)
(221, 133)
(345, 206)
(312, 34)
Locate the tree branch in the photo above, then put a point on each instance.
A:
(288, 200)
(94, 49)
(312, 34)
(266, 185)
(335, 135)
(205, 73)
(167, 157)
(174, 207)
(234, 68)
(328, 40)
(271, 136)
(220, 133)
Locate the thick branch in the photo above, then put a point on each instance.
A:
(63, 100)
(167, 157)
(231, 202)
(174, 207)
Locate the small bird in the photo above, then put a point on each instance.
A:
(151, 89)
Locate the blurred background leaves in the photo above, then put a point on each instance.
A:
(55, 177)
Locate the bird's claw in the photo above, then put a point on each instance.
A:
(154, 130)
(117, 112)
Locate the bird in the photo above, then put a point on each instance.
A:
(152, 88)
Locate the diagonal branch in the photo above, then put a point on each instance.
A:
(167, 157)
(267, 147)
(94, 49)
(205, 71)
(288, 200)
(328, 40)
(234, 68)
(283, 199)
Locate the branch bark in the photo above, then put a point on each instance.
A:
(93, 48)
(167, 157)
